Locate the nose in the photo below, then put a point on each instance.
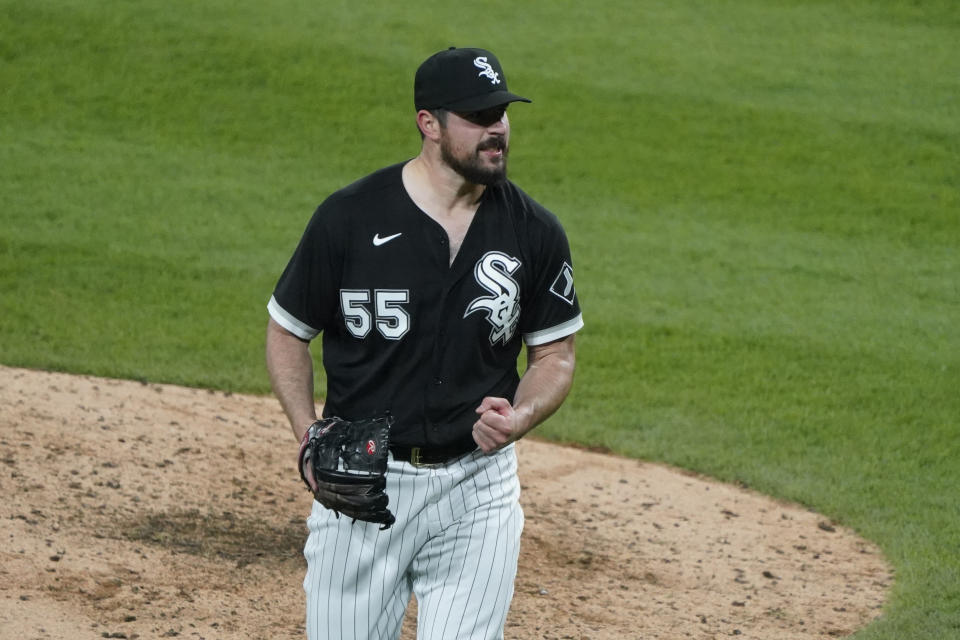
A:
(500, 126)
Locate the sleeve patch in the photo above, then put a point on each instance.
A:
(562, 286)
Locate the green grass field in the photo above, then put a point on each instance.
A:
(763, 200)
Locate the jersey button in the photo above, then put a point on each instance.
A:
(437, 381)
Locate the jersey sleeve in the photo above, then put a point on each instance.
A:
(552, 310)
(304, 300)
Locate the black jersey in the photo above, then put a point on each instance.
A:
(406, 332)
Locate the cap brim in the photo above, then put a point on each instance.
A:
(485, 101)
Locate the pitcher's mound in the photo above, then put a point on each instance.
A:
(148, 511)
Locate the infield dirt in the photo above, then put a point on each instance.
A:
(138, 510)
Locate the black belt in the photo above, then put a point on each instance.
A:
(427, 456)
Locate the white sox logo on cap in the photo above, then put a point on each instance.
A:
(449, 80)
(481, 63)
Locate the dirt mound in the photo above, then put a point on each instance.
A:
(152, 511)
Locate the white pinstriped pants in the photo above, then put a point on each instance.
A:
(455, 545)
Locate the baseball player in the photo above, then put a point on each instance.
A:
(425, 278)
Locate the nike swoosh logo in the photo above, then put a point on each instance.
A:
(377, 240)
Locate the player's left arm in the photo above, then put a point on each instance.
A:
(543, 388)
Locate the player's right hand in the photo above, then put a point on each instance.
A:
(496, 427)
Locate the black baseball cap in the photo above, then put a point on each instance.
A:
(461, 80)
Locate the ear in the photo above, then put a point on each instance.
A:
(429, 125)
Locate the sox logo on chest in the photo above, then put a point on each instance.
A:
(493, 272)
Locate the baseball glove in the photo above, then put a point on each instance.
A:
(343, 464)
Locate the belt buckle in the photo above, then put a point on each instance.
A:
(417, 460)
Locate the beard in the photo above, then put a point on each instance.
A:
(472, 168)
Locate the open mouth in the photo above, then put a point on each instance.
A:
(493, 146)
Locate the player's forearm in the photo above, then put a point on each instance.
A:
(291, 376)
(545, 384)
